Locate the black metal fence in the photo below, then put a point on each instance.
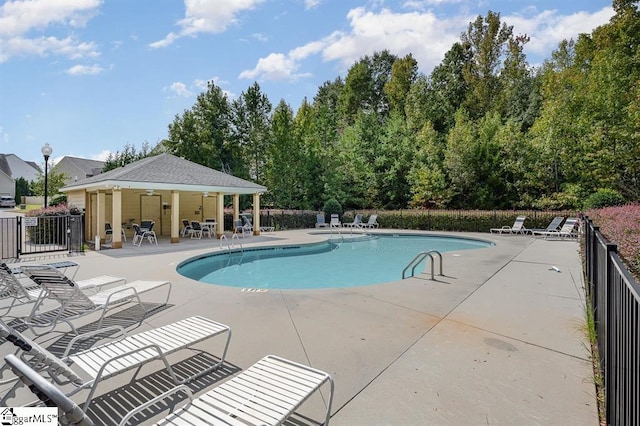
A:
(42, 234)
(615, 299)
(8, 237)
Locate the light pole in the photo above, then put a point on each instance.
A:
(46, 152)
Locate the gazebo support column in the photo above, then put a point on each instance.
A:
(175, 216)
(256, 213)
(101, 205)
(116, 214)
(236, 206)
(220, 215)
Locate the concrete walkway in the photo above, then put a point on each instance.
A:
(499, 340)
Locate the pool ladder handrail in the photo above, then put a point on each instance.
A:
(419, 257)
(338, 231)
(230, 244)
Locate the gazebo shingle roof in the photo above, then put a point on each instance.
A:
(166, 171)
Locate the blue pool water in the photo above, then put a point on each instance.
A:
(361, 261)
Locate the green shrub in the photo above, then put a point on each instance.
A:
(332, 206)
(604, 197)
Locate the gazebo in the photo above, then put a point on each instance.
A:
(162, 188)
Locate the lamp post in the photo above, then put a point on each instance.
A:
(46, 152)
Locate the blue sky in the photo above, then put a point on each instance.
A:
(90, 76)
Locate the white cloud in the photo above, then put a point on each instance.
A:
(310, 4)
(102, 156)
(260, 37)
(85, 70)
(423, 34)
(548, 28)
(425, 4)
(180, 89)
(276, 66)
(202, 16)
(19, 17)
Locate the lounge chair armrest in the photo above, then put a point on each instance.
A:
(117, 294)
(154, 401)
(88, 334)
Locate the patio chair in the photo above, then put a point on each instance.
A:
(75, 301)
(554, 225)
(266, 393)
(240, 228)
(335, 221)
(517, 228)
(568, 230)
(249, 225)
(196, 230)
(371, 223)
(140, 234)
(64, 265)
(147, 224)
(86, 369)
(108, 231)
(357, 222)
(320, 223)
(186, 228)
(15, 293)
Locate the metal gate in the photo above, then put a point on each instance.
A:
(41, 234)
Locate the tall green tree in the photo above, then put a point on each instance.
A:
(404, 72)
(429, 185)
(392, 162)
(313, 159)
(252, 129)
(203, 134)
(486, 38)
(447, 88)
(355, 184)
(285, 169)
(130, 154)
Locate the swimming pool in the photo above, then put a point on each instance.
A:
(333, 263)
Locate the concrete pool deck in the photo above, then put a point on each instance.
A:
(498, 340)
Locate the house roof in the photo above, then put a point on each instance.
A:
(18, 168)
(167, 172)
(4, 165)
(89, 167)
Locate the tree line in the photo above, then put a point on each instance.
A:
(484, 130)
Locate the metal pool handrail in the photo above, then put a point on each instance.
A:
(418, 258)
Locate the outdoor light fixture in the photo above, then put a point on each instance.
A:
(46, 153)
(149, 191)
(205, 194)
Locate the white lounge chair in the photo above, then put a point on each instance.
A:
(15, 293)
(248, 224)
(335, 221)
(517, 228)
(240, 228)
(266, 393)
(357, 222)
(88, 368)
(371, 223)
(554, 225)
(76, 301)
(320, 222)
(568, 230)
